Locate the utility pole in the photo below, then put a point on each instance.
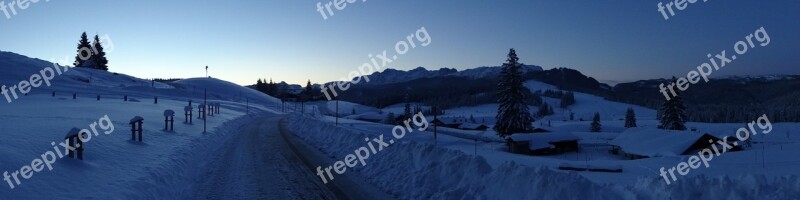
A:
(337, 111)
(205, 102)
(435, 140)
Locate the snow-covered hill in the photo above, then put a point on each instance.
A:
(164, 165)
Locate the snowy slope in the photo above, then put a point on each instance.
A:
(164, 165)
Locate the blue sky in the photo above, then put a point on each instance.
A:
(242, 41)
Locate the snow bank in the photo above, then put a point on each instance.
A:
(732, 187)
(412, 170)
(415, 170)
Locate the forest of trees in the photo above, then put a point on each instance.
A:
(732, 100)
(280, 90)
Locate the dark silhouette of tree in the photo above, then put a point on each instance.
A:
(673, 113)
(545, 110)
(260, 86)
(630, 118)
(308, 91)
(567, 99)
(407, 106)
(596, 127)
(272, 88)
(84, 51)
(390, 118)
(99, 58)
(512, 114)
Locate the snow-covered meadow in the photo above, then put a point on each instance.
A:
(451, 163)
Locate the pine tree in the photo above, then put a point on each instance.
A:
(512, 113)
(567, 99)
(99, 58)
(407, 106)
(84, 51)
(596, 127)
(472, 119)
(544, 110)
(390, 118)
(272, 88)
(673, 113)
(630, 118)
(260, 85)
(308, 92)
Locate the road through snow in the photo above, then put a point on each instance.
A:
(258, 164)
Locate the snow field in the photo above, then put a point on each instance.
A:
(414, 170)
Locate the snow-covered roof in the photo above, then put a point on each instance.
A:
(543, 140)
(137, 118)
(471, 126)
(653, 142)
(370, 116)
(168, 113)
(73, 132)
(447, 120)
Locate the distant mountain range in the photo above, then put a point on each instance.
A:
(390, 75)
(726, 99)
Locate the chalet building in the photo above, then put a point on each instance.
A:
(542, 143)
(471, 126)
(644, 142)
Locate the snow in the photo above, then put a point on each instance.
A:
(616, 176)
(72, 132)
(649, 141)
(169, 113)
(414, 170)
(165, 165)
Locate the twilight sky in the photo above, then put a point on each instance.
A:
(242, 41)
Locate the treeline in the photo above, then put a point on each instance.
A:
(283, 91)
(734, 100)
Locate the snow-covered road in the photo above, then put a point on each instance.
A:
(258, 164)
